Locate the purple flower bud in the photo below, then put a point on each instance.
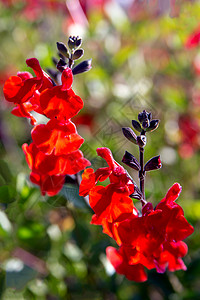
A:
(153, 125)
(84, 66)
(130, 134)
(153, 164)
(78, 54)
(136, 125)
(62, 49)
(131, 161)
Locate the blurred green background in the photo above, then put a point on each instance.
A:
(48, 249)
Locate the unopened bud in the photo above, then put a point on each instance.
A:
(153, 125)
(130, 134)
(62, 49)
(153, 164)
(77, 54)
(74, 42)
(84, 66)
(136, 126)
(131, 161)
(78, 41)
(144, 117)
(71, 42)
(61, 65)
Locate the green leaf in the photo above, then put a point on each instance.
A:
(7, 194)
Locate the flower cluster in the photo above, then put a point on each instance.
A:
(150, 239)
(54, 151)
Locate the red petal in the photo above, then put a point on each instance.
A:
(87, 183)
(110, 203)
(106, 154)
(67, 79)
(48, 184)
(173, 193)
(18, 91)
(61, 104)
(90, 178)
(132, 272)
(73, 163)
(46, 80)
(24, 75)
(52, 164)
(60, 136)
(193, 40)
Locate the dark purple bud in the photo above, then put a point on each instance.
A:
(84, 66)
(71, 42)
(131, 161)
(141, 141)
(130, 134)
(62, 49)
(145, 124)
(153, 125)
(74, 42)
(136, 126)
(153, 164)
(61, 65)
(144, 116)
(78, 54)
(78, 41)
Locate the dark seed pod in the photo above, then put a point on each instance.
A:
(153, 125)
(78, 42)
(78, 54)
(84, 66)
(71, 42)
(130, 134)
(61, 65)
(62, 49)
(131, 161)
(136, 126)
(153, 164)
(144, 116)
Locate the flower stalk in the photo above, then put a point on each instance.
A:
(145, 124)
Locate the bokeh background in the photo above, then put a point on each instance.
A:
(142, 58)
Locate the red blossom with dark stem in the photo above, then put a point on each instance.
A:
(152, 239)
(54, 152)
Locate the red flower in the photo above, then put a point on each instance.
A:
(155, 239)
(189, 129)
(21, 88)
(59, 136)
(61, 101)
(24, 90)
(43, 164)
(48, 184)
(118, 260)
(112, 203)
(194, 39)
